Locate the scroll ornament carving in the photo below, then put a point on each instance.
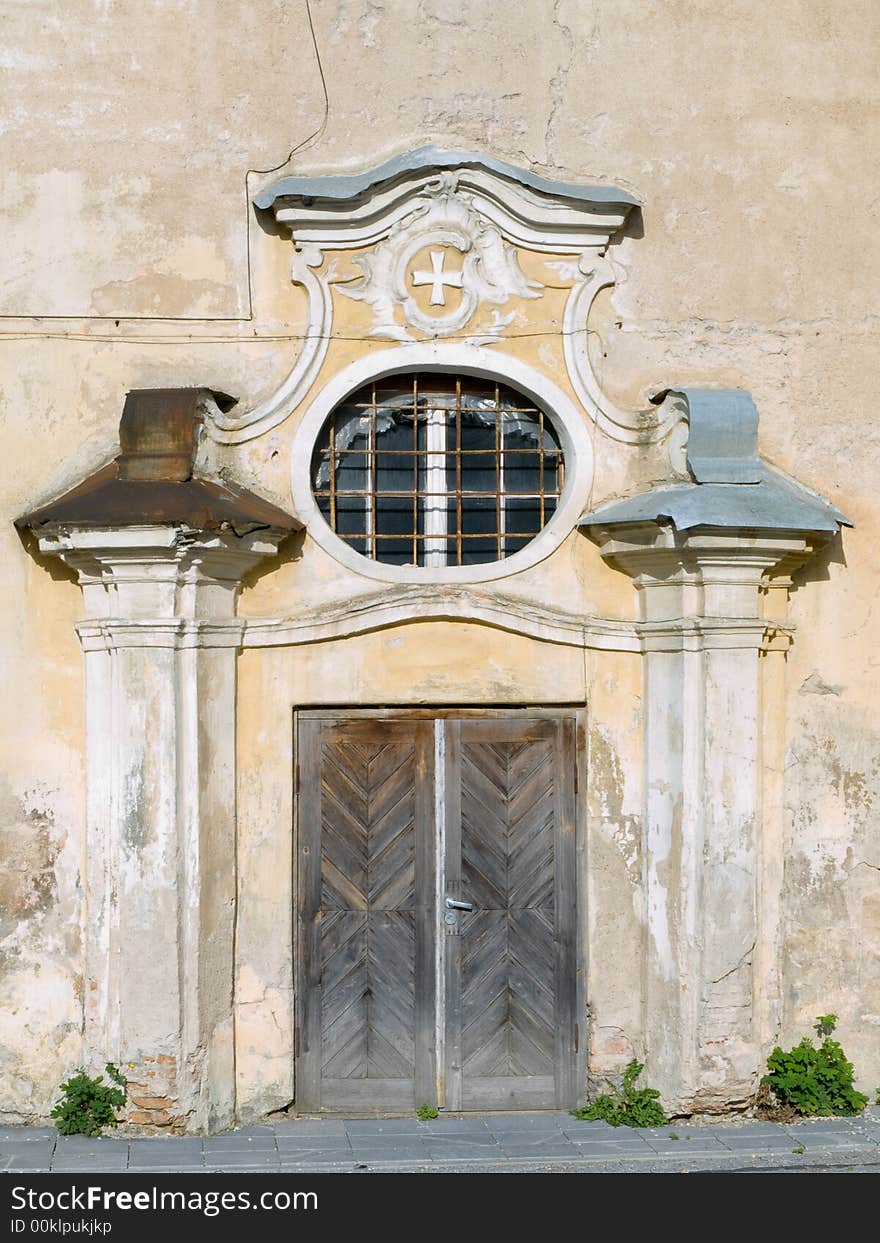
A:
(454, 233)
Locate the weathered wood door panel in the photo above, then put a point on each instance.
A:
(511, 970)
(366, 901)
(370, 844)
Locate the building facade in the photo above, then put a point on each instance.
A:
(439, 603)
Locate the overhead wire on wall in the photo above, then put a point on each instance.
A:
(196, 338)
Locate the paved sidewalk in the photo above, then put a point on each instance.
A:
(498, 1143)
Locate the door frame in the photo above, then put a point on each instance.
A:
(576, 713)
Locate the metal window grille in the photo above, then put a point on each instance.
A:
(436, 470)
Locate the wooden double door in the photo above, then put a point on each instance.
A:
(437, 911)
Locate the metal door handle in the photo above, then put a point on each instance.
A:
(454, 905)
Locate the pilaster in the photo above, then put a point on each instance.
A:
(160, 649)
(703, 632)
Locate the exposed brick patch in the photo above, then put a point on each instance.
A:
(152, 1093)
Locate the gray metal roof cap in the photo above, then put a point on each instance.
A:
(772, 504)
(733, 486)
(344, 187)
(722, 442)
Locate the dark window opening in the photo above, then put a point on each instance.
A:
(435, 470)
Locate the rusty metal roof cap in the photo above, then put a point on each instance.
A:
(152, 480)
(159, 434)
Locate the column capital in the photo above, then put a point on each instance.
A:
(164, 573)
(703, 572)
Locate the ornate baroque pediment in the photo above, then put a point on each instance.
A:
(435, 238)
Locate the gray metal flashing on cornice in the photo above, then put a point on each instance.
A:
(733, 486)
(723, 436)
(345, 187)
(747, 506)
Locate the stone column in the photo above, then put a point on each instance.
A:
(702, 634)
(160, 649)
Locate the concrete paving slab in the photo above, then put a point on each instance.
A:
(41, 1152)
(23, 1161)
(316, 1160)
(387, 1152)
(550, 1151)
(833, 1123)
(169, 1157)
(464, 1146)
(73, 1143)
(243, 1160)
(182, 1169)
(27, 1134)
(456, 1126)
(620, 1137)
(476, 1152)
(828, 1140)
(185, 1166)
(303, 1152)
(533, 1141)
(310, 1126)
(686, 1148)
(231, 1162)
(528, 1122)
(293, 1142)
(105, 1164)
(681, 1132)
(171, 1145)
(612, 1152)
(240, 1143)
(596, 1128)
(385, 1126)
(747, 1128)
(387, 1144)
(759, 1143)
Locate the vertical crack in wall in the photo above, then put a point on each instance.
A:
(557, 84)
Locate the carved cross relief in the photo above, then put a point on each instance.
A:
(437, 278)
(444, 221)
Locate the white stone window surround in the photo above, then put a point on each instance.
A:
(453, 358)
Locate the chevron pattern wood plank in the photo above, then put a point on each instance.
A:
(508, 984)
(367, 1003)
(367, 904)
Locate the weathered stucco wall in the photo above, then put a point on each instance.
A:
(747, 133)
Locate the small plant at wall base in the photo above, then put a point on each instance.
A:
(814, 1082)
(89, 1104)
(626, 1105)
(425, 1113)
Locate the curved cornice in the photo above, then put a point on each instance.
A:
(402, 605)
(345, 187)
(383, 610)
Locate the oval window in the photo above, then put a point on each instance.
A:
(434, 470)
